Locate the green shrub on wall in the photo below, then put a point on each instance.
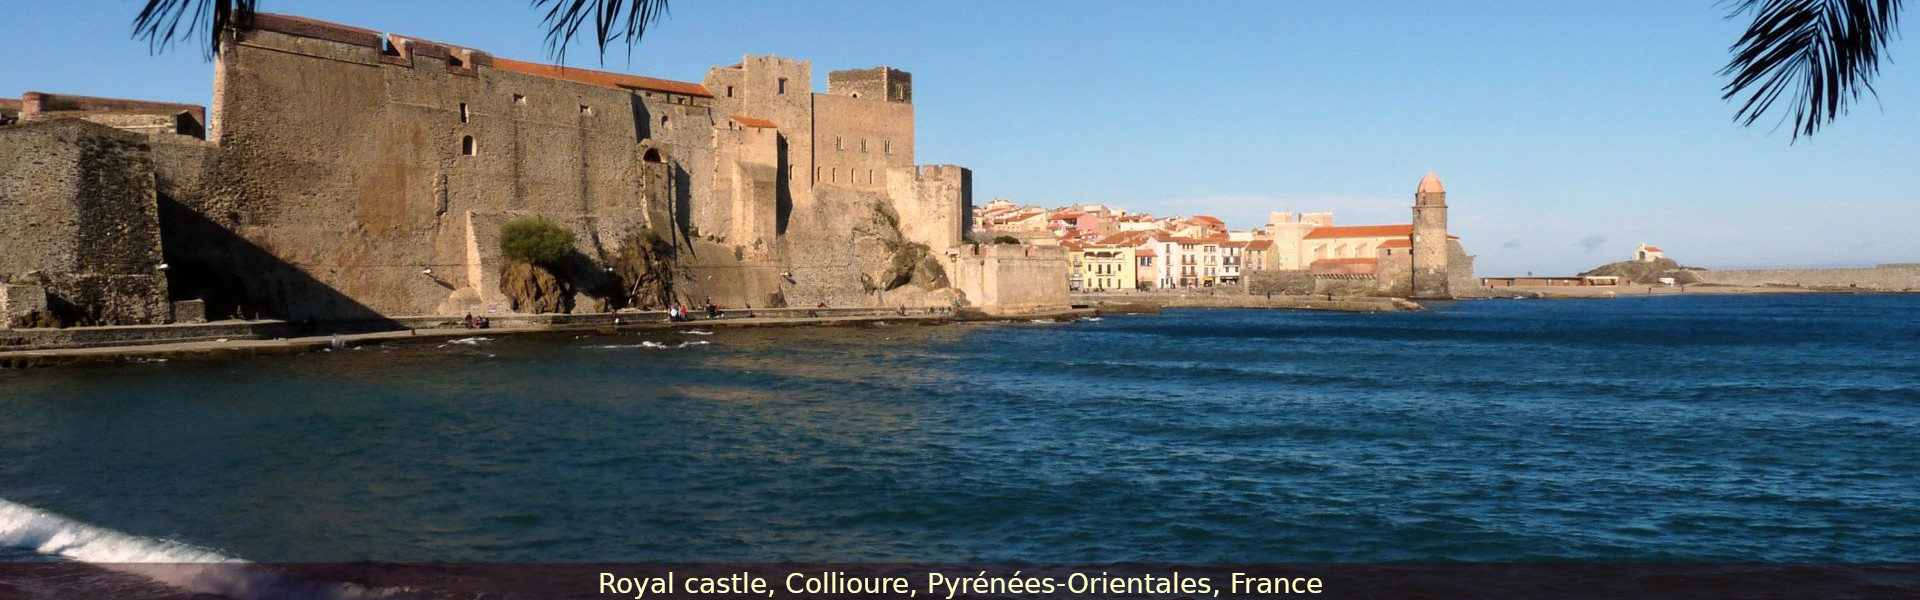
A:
(537, 240)
(1006, 239)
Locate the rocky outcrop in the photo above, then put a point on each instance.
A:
(891, 261)
(1647, 273)
(534, 289)
(644, 269)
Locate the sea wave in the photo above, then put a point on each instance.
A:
(174, 564)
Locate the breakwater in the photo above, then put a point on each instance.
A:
(1888, 277)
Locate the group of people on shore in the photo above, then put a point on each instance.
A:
(472, 322)
(678, 312)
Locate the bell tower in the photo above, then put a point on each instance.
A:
(1430, 239)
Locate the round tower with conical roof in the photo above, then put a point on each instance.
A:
(1430, 239)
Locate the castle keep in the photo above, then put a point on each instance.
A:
(347, 174)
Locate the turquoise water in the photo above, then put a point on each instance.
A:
(1759, 428)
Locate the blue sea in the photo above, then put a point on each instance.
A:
(1674, 428)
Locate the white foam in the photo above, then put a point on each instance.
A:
(697, 332)
(174, 564)
(652, 345)
(470, 341)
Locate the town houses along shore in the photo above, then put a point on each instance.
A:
(1110, 249)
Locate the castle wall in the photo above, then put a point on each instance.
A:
(748, 182)
(353, 168)
(1883, 277)
(1287, 282)
(1459, 268)
(79, 217)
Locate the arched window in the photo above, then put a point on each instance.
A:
(652, 155)
(467, 147)
(663, 120)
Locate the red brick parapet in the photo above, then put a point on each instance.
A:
(305, 27)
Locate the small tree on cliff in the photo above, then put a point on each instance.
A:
(537, 250)
(536, 240)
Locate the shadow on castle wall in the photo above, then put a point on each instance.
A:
(240, 280)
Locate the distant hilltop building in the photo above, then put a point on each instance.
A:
(1306, 252)
(1648, 253)
(343, 173)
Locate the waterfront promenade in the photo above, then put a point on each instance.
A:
(445, 330)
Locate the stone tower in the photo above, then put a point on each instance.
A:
(1430, 239)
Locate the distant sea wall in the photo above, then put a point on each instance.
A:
(1893, 277)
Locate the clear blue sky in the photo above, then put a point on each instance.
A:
(1566, 131)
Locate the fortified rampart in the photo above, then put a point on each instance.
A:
(1010, 278)
(1904, 277)
(80, 224)
(139, 116)
(942, 197)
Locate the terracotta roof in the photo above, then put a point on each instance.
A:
(1360, 231)
(1129, 238)
(1069, 215)
(1259, 244)
(1343, 266)
(1397, 243)
(1145, 252)
(754, 122)
(1652, 248)
(602, 78)
(1208, 220)
(1430, 185)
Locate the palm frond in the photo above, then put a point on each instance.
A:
(1821, 55)
(163, 22)
(612, 20)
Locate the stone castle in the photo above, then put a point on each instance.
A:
(343, 174)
